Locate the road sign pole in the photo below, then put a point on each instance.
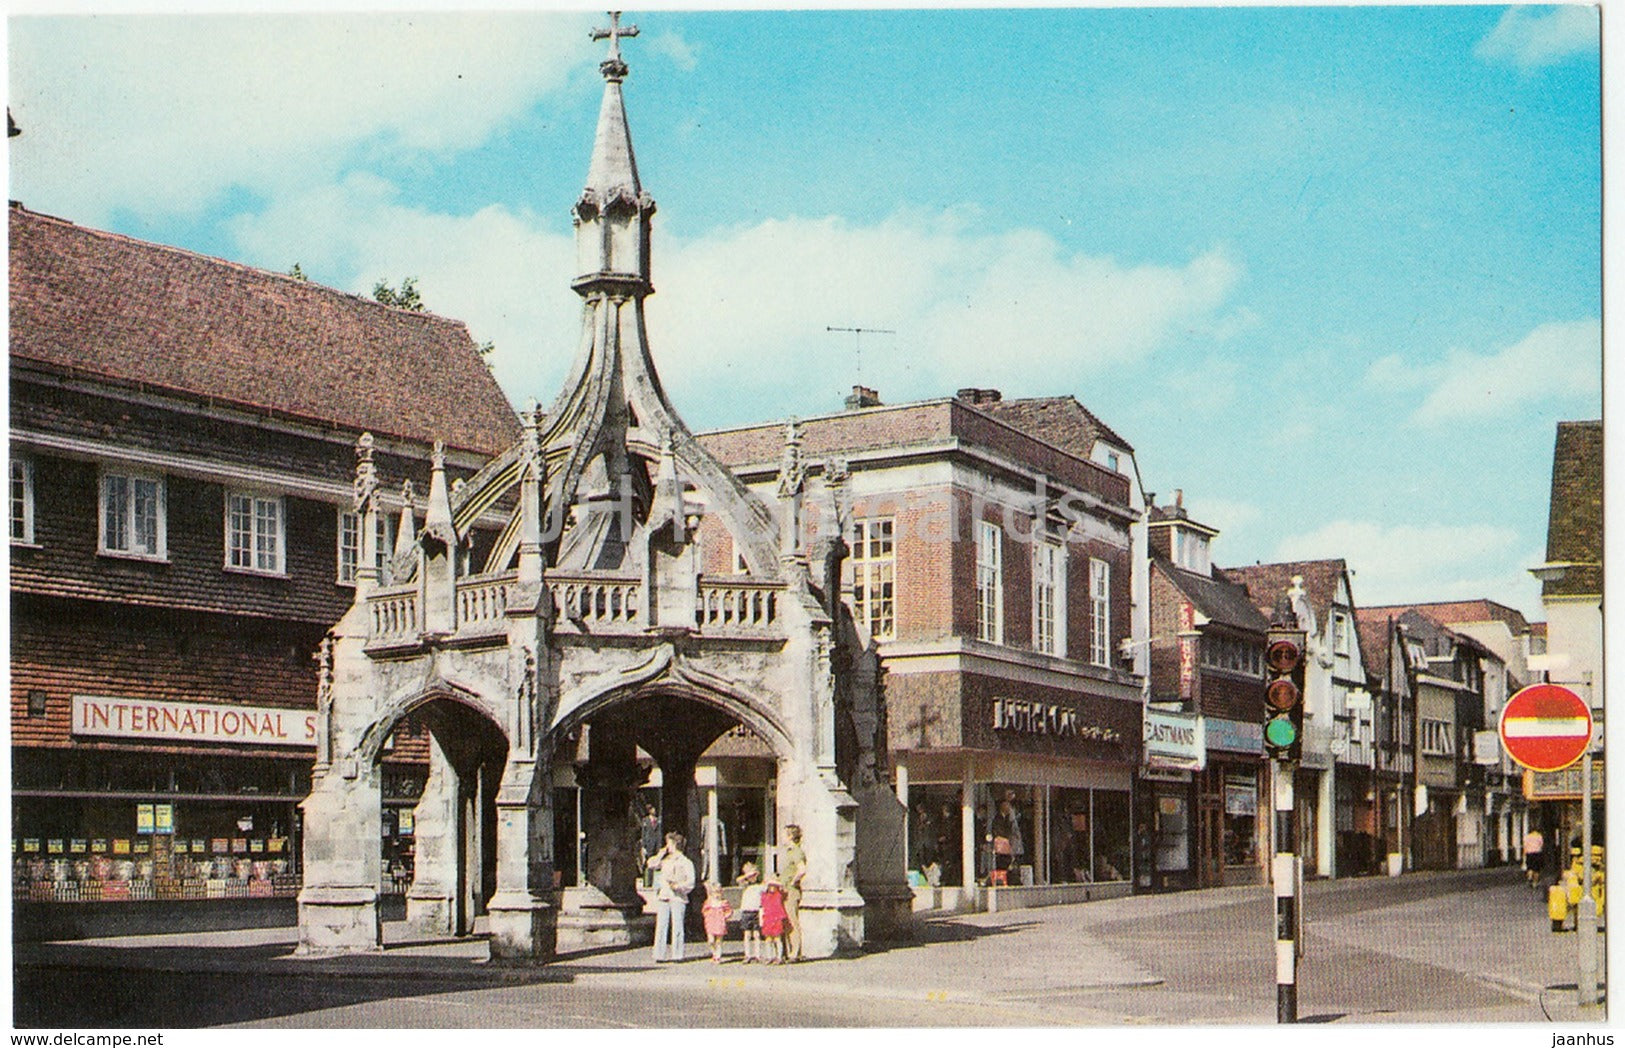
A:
(1284, 874)
(1585, 923)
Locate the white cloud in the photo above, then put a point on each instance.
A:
(183, 107)
(683, 54)
(1554, 360)
(503, 273)
(745, 309)
(1530, 37)
(1009, 309)
(1408, 563)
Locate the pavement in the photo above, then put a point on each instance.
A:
(1450, 947)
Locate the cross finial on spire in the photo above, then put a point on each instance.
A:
(612, 67)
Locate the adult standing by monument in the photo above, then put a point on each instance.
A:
(674, 879)
(649, 841)
(792, 870)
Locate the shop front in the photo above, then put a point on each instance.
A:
(158, 801)
(1232, 785)
(1043, 797)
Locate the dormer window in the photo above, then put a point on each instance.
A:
(1190, 550)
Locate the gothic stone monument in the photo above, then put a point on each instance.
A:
(587, 636)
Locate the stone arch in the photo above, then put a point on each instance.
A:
(369, 746)
(577, 708)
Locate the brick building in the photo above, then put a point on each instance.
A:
(183, 435)
(997, 561)
(1207, 660)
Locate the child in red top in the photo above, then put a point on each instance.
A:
(716, 912)
(773, 919)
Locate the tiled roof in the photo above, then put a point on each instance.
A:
(1574, 527)
(1061, 421)
(1266, 582)
(1373, 625)
(1452, 612)
(1223, 602)
(111, 307)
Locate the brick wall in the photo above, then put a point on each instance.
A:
(194, 575)
(72, 648)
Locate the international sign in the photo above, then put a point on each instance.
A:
(1545, 727)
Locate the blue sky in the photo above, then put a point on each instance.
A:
(1333, 272)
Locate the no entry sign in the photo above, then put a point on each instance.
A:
(1545, 727)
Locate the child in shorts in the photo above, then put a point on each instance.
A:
(750, 911)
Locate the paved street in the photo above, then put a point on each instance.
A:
(1464, 946)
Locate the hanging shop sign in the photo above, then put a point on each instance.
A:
(193, 721)
(1187, 649)
(1173, 739)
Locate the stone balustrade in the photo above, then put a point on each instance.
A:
(739, 603)
(588, 602)
(597, 603)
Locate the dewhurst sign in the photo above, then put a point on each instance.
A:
(1174, 740)
(193, 721)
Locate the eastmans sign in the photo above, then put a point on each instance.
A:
(193, 721)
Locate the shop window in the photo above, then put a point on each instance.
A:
(874, 574)
(1100, 607)
(254, 539)
(935, 835)
(989, 582)
(132, 516)
(1049, 598)
(22, 501)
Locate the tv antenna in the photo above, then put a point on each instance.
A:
(857, 341)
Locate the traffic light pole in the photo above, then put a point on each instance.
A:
(1284, 874)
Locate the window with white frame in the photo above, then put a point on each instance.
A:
(254, 540)
(1340, 633)
(1436, 738)
(22, 501)
(1049, 598)
(874, 576)
(989, 582)
(1100, 612)
(350, 543)
(132, 515)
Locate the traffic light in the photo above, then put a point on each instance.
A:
(1283, 695)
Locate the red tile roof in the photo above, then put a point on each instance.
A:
(1373, 625)
(1454, 612)
(108, 306)
(1266, 582)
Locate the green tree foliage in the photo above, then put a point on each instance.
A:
(406, 297)
(297, 273)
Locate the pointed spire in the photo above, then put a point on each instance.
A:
(613, 165)
(437, 520)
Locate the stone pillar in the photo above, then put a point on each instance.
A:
(338, 906)
(967, 834)
(606, 909)
(524, 921)
(832, 910)
(431, 901)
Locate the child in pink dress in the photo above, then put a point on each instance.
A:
(773, 919)
(716, 912)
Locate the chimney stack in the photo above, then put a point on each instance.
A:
(976, 397)
(862, 397)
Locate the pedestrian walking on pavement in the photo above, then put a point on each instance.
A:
(773, 920)
(674, 879)
(750, 912)
(1533, 845)
(716, 911)
(792, 870)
